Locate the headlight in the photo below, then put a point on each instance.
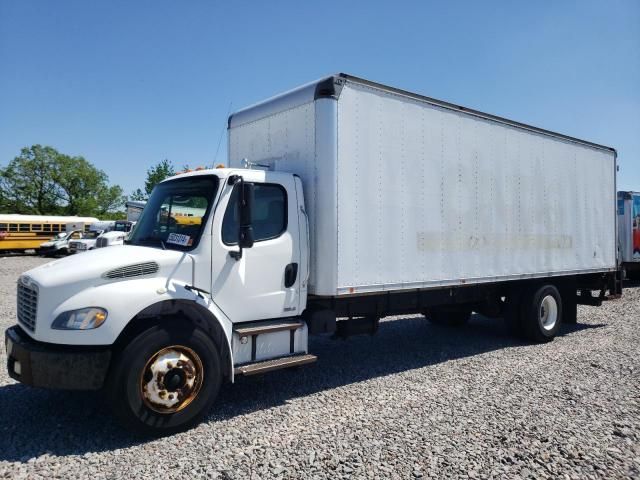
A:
(83, 319)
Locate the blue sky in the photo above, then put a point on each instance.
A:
(128, 83)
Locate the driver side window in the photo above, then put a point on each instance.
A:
(269, 215)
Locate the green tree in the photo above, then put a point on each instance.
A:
(138, 195)
(43, 181)
(27, 184)
(83, 189)
(157, 173)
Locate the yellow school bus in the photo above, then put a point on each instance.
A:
(26, 232)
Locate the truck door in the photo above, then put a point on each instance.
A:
(265, 281)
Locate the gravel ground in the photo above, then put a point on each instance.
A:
(413, 401)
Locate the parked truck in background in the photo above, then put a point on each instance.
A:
(346, 201)
(116, 236)
(89, 239)
(75, 229)
(122, 227)
(629, 232)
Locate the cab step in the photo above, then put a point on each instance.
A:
(258, 328)
(274, 364)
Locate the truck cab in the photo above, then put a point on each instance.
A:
(210, 284)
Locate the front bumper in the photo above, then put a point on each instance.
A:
(55, 366)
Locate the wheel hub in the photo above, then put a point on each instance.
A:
(548, 312)
(174, 379)
(171, 379)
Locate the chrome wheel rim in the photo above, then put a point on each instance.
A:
(171, 379)
(548, 312)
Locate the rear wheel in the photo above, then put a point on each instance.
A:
(165, 379)
(449, 317)
(541, 313)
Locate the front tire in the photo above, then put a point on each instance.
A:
(165, 380)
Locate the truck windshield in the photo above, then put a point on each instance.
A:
(122, 227)
(176, 213)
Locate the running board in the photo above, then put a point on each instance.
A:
(249, 329)
(275, 364)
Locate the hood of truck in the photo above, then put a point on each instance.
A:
(90, 268)
(101, 278)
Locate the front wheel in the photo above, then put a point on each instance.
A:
(165, 379)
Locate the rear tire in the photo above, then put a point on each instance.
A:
(454, 317)
(165, 380)
(541, 313)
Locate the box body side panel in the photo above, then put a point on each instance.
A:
(430, 196)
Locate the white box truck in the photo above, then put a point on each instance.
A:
(345, 201)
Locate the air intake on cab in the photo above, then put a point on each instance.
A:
(135, 270)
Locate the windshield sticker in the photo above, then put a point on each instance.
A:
(179, 239)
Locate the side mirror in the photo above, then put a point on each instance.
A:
(246, 207)
(245, 234)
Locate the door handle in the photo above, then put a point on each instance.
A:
(290, 274)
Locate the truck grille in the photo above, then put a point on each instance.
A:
(27, 306)
(101, 242)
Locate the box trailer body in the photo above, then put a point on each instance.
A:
(406, 192)
(629, 231)
(134, 209)
(346, 201)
